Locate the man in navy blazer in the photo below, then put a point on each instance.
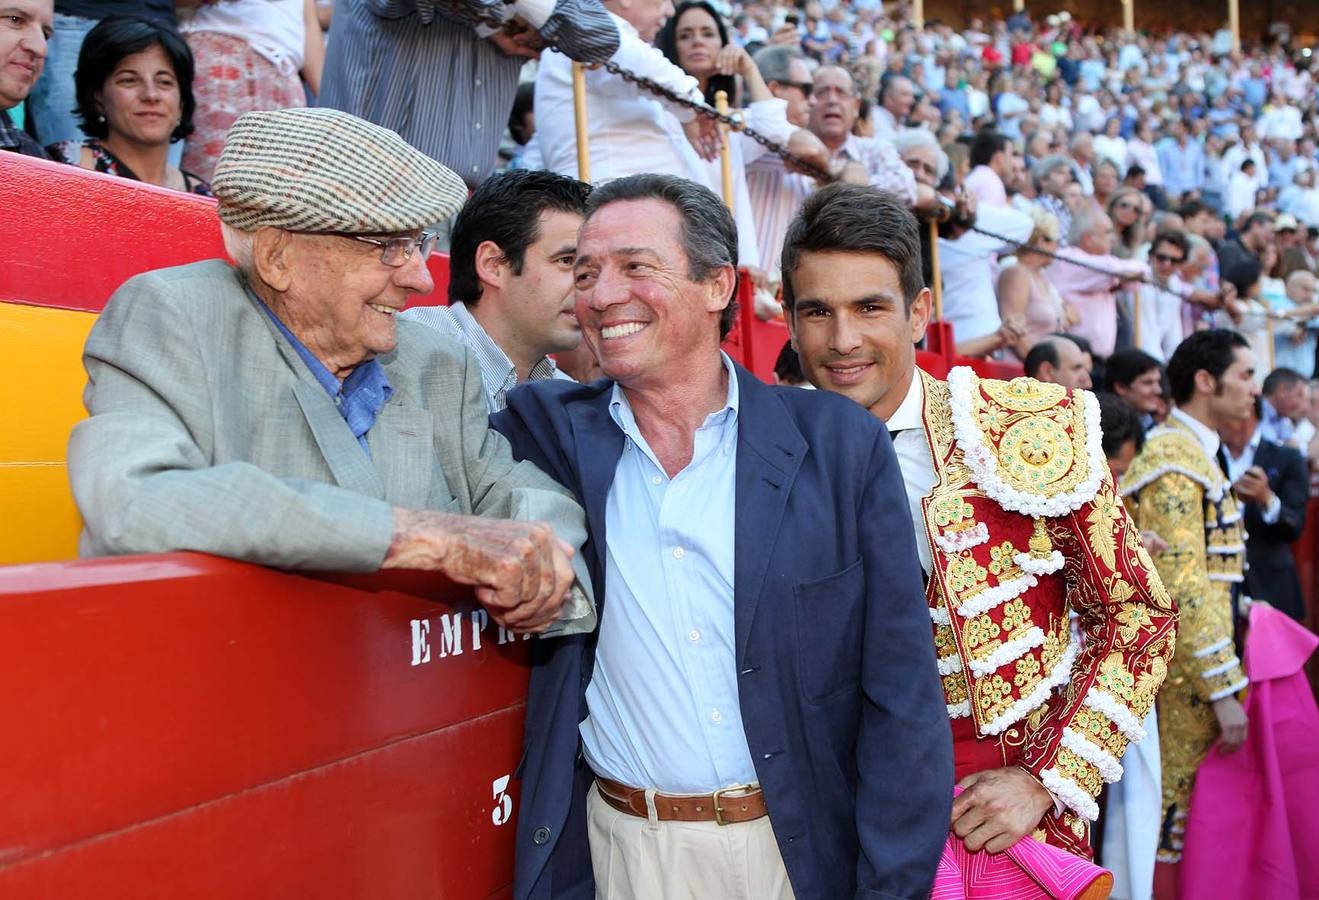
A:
(759, 714)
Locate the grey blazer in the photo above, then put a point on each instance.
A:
(207, 432)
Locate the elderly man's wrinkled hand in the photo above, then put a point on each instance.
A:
(520, 570)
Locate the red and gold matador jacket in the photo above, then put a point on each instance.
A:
(1025, 528)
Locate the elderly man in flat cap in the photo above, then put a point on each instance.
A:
(277, 412)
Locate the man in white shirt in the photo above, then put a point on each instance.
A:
(897, 95)
(631, 129)
(510, 278)
(1157, 311)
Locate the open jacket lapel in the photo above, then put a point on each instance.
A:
(597, 444)
(770, 450)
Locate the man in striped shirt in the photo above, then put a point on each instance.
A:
(441, 76)
(510, 278)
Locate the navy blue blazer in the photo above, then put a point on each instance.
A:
(838, 685)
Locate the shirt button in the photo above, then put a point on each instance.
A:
(694, 635)
(716, 716)
(478, 126)
(656, 480)
(477, 83)
(678, 553)
(476, 168)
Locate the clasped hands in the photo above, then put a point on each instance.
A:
(521, 570)
(517, 38)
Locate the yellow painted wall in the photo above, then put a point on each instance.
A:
(41, 382)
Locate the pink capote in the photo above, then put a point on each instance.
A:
(1028, 870)
(1253, 829)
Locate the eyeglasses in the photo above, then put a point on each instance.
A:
(804, 86)
(1165, 258)
(395, 252)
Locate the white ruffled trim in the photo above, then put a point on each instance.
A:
(1233, 579)
(1097, 756)
(939, 615)
(959, 710)
(1227, 550)
(1070, 793)
(1232, 519)
(1211, 649)
(1122, 716)
(1219, 670)
(1008, 652)
(984, 466)
(997, 595)
(1059, 675)
(949, 665)
(1051, 563)
(1213, 490)
(1229, 691)
(957, 541)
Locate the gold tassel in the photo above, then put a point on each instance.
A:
(1040, 545)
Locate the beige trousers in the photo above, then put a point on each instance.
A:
(646, 859)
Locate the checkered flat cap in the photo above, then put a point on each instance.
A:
(326, 170)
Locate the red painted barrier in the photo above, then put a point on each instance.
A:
(188, 726)
(70, 237)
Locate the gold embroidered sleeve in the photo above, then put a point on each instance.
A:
(1129, 626)
(1172, 506)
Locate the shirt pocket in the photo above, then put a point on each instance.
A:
(830, 615)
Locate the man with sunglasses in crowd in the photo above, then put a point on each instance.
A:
(276, 411)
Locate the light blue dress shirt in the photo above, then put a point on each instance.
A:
(663, 699)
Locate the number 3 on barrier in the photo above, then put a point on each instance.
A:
(503, 802)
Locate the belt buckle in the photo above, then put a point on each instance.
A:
(719, 810)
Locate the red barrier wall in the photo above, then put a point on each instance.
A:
(188, 726)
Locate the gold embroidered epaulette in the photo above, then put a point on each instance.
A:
(1033, 448)
(1171, 448)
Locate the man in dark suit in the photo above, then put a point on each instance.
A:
(759, 715)
(1274, 486)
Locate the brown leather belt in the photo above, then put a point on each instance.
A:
(739, 803)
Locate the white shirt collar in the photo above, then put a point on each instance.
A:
(1207, 437)
(911, 412)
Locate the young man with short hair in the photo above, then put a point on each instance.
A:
(510, 278)
(1178, 487)
(1017, 525)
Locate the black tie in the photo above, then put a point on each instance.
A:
(1221, 456)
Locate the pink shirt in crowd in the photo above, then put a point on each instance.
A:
(984, 184)
(1091, 293)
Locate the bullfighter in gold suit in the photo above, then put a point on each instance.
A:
(1176, 488)
(1018, 526)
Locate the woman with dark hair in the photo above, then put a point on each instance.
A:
(696, 39)
(134, 90)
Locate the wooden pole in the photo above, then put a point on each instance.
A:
(725, 157)
(579, 115)
(1018, 5)
(1272, 339)
(936, 277)
(1135, 315)
(1129, 15)
(918, 13)
(1234, 22)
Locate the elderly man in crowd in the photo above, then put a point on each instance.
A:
(897, 95)
(1091, 291)
(277, 412)
(1052, 176)
(510, 278)
(760, 716)
(1058, 360)
(23, 48)
(441, 75)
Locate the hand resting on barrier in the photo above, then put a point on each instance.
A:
(520, 570)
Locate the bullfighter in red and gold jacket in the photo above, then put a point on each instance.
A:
(1018, 526)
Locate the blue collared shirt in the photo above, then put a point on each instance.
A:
(663, 699)
(359, 398)
(1273, 426)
